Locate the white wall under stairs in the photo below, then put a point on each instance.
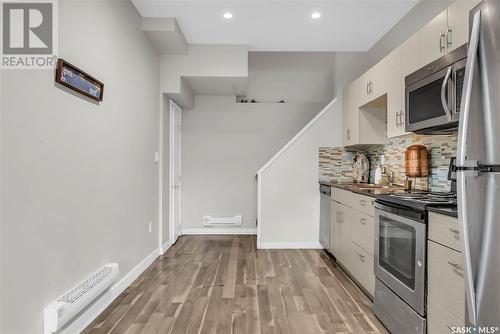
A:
(288, 190)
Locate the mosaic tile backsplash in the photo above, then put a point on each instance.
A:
(335, 163)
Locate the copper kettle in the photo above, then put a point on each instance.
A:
(417, 161)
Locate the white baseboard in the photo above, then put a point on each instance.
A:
(163, 248)
(216, 230)
(88, 315)
(290, 245)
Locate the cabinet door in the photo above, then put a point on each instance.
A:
(458, 23)
(340, 234)
(445, 297)
(380, 77)
(408, 62)
(432, 39)
(394, 102)
(351, 114)
(409, 56)
(362, 268)
(364, 88)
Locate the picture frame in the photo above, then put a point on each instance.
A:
(81, 82)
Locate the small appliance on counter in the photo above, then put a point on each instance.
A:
(416, 164)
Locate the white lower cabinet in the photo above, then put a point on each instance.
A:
(445, 278)
(362, 268)
(352, 233)
(340, 232)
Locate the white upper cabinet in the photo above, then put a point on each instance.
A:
(364, 98)
(374, 82)
(432, 38)
(409, 55)
(352, 102)
(405, 61)
(458, 23)
(446, 32)
(395, 97)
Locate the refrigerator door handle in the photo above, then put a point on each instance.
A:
(444, 87)
(467, 90)
(470, 294)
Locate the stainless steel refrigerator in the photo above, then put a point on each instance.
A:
(478, 163)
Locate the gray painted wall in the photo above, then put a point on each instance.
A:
(224, 144)
(303, 77)
(79, 183)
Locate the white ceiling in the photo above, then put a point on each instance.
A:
(278, 25)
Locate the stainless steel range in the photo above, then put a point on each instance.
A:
(400, 258)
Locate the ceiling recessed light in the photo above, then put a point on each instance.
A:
(227, 15)
(315, 15)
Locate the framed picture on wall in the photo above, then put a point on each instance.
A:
(72, 77)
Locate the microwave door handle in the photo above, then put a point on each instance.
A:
(470, 294)
(444, 87)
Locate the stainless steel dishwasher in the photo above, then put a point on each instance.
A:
(324, 216)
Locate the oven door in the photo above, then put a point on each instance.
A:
(429, 102)
(400, 257)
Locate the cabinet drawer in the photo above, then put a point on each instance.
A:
(363, 225)
(362, 268)
(363, 204)
(446, 287)
(445, 230)
(342, 196)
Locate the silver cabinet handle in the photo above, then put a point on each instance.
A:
(362, 202)
(399, 119)
(457, 269)
(456, 233)
(444, 86)
(348, 134)
(449, 38)
(455, 265)
(442, 42)
(368, 88)
(470, 293)
(340, 216)
(361, 257)
(362, 221)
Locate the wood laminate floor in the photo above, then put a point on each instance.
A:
(222, 284)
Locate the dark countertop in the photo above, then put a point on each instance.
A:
(374, 192)
(448, 211)
(355, 188)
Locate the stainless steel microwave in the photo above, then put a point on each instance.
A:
(434, 93)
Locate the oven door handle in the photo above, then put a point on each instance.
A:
(444, 89)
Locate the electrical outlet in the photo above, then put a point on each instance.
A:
(150, 227)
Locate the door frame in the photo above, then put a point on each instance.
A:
(172, 106)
